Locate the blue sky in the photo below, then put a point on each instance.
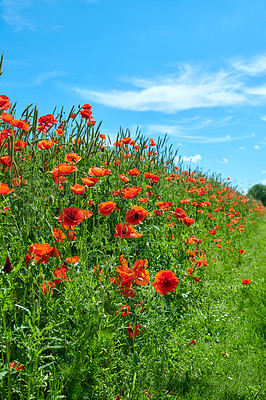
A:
(193, 69)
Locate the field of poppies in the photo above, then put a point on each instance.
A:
(123, 274)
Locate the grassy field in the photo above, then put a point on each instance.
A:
(123, 274)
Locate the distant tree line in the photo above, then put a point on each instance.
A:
(258, 192)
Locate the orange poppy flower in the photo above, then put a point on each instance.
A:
(48, 286)
(90, 181)
(58, 235)
(40, 249)
(45, 144)
(134, 172)
(4, 189)
(107, 208)
(19, 145)
(96, 171)
(164, 205)
(6, 117)
(135, 215)
(72, 260)
(60, 274)
(142, 275)
(65, 169)
(126, 140)
(132, 192)
(143, 199)
(124, 178)
(70, 217)
(71, 236)
(126, 231)
(165, 281)
(20, 124)
(5, 160)
(72, 158)
(13, 364)
(77, 189)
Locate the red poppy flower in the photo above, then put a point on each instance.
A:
(133, 333)
(124, 178)
(4, 102)
(60, 274)
(86, 213)
(96, 171)
(164, 205)
(126, 231)
(40, 249)
(72, 158)
(135, 215)
(65, 169)
(134, 172)
(165, 281)
(188, 221)
(71, 236)
(5, 160)
(179, 213)
(20, 124)
(90, 181)
(77, 189)
(143, 200)
(246, 281)
(142, 274)
(71, 216)
(48, 286)
(132, 192)
(212, 231)
(6, 117)
(45, 144)
(193, 342)
(241, 251)
(58, 235)
(72, 260)
(19, 145)
(107, 208)
(13, 364)
(4, 189)
(126, 140)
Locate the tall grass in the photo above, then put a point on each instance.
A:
(82, 310)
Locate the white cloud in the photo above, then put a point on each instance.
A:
(256, 147)
(44, 76)
(258, 66)
(263, 118)
(193, 159)
(225, 161)
(242, 148)
(14, 14)
(263, 182)
(264, 172)
(181, 133)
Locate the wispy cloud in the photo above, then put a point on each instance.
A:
(255, 67)
(13, 13)
(263, 182)
(191, 159)
(44, 76)
(190, 88)
(182, 135)
(225, 161)
(264, 172)
(256, 147)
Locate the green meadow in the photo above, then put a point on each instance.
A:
(123, 275)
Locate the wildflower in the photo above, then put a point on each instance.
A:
(60, 274)
(6, 160)
(65, 169)
(90, 181)
(77, 189)
(45, 144)
(124, 178)
(125, 310)
(72, 158)
(165, 281)
(134, 172)
(95, 171)
(188, 221)
(192, 343)
(58, 235)
(72, 260)
(179, 213)
(7, 268)
(241, 251)
(135, 215)
(212, 231)
(4, 102)
(246, 281)
(132, 192)
(14, 364)
(142, 275)
(107, 208)
(70, 217)
(126, 231)
(48, 286)
(133, 333)
(4, 189)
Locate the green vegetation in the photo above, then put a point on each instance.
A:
(122, 275)
(258, 192)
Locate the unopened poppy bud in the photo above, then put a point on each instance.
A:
(7, 267)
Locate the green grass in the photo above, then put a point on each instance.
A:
(72, 341)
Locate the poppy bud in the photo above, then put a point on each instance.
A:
(7, 267)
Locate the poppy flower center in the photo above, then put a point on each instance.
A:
(136, 216)
(72, 217)
(165, 282)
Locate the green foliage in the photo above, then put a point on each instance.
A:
(258, 192)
